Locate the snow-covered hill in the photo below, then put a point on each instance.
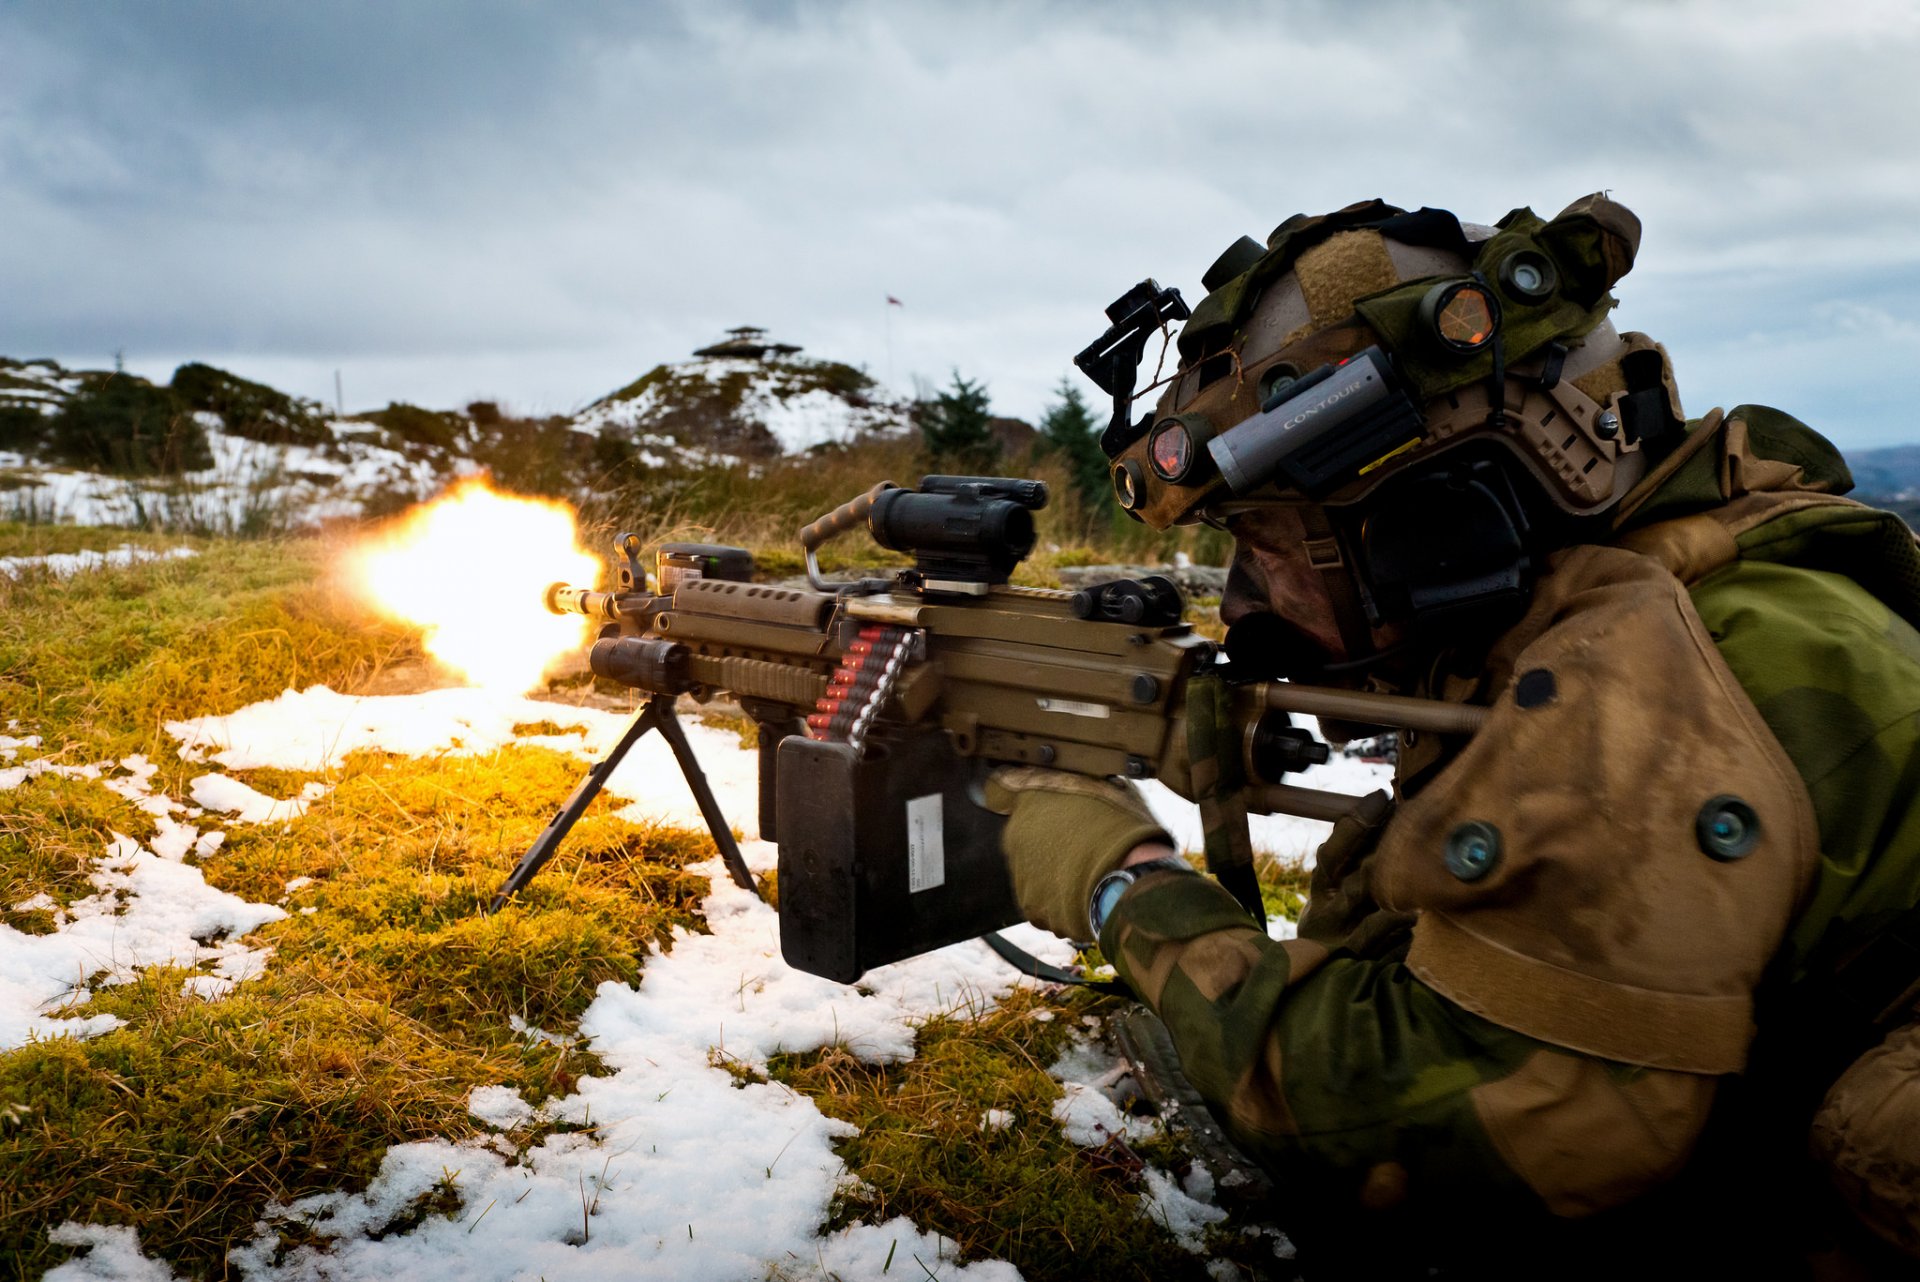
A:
(745, 407)
(215, 453)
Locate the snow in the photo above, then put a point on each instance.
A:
(301, 485)
(1086, 1114)
(248, 806)
(667, 1165)
(781, 395)
(10, 747)
(499, 1106)
(313, 729)
(146, 911)
(1288, 838)
(1184, 1216)
(150, 907)
(112, 1255)
(67, 564)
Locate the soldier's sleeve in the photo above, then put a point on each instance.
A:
(1362, 1089)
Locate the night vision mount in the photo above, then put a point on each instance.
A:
(1112, 360)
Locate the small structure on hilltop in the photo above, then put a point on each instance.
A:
(748, 342)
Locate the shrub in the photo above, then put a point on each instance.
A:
(23, 429)
(123, 424)
(250, 409)
(410, 425)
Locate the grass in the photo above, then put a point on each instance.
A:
(19, 538)
(383, 1008)
(380, 1011)
(1022, 1193)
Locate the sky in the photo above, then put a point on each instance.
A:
(537, 203)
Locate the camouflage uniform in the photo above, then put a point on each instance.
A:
(1541, 1053)
(1583, 984)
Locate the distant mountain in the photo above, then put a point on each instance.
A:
(214, 452)
(1891, 472)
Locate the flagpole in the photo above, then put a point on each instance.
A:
(887, 309)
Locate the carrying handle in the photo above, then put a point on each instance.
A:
(835, 523)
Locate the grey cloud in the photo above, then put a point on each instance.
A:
(537, 202)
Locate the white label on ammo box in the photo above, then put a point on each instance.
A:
(1074, 707)
(926, 843)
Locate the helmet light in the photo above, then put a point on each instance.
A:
(1529, 276)
(1462, 314)
(1170, 450)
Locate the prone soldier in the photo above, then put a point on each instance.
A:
(1624, 983)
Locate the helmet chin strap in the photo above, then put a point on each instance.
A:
(1324, 554)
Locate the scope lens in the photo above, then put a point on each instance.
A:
(1463, 315)
(1170, 450)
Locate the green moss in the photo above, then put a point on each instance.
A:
(52, 830)
(1283, 887)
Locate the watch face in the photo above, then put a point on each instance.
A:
(1106, 896)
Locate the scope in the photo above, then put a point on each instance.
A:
(966, 533)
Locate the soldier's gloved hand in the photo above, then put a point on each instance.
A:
(1064, 833)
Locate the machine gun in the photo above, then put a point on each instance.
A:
(881, 704)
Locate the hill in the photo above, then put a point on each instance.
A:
(744, 399)
(210, 452)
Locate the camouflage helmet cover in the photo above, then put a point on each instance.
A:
(1326, 288)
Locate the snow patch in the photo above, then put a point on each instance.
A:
(67, 564)
(499, 1107)
(248, 805)
(147, 911)
(112, 1255)
(1185, 1217)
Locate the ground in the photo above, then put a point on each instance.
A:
(254, 1024)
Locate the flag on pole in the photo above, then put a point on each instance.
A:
(894, 302)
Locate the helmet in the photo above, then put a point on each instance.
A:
(1437, 403)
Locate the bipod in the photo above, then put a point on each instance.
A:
(657, 715)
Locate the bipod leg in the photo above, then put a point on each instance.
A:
(557, 828)
(676, 737)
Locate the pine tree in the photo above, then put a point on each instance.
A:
(957, 427)
(1070, 431)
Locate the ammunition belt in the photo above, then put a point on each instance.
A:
(861, 684)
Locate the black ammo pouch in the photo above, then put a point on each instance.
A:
(849, 900)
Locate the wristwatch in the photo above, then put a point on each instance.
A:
(1107, 891)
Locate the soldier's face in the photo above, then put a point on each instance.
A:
(1271, 574)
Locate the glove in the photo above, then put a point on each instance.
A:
(1064, 833)
(1341, 911)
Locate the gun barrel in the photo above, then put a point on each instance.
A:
(562, 599)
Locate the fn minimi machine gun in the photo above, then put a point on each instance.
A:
(882, 703)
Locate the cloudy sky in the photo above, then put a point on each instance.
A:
(538, 202)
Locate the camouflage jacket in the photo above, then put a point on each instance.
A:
(1563, 1050)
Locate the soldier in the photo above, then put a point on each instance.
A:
(1625, 981)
